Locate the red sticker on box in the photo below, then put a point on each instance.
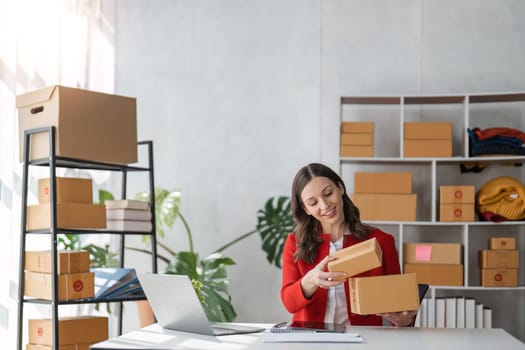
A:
(423, 253)
(78, 286)
(40, 331)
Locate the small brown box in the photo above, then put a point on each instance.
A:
(427, 130)
(395, 183)
(70, 286)
(68, 190)
(383, 294)
(387, 207)
(357, 139)
(83, 346)
(69, 215)
(71, 330)
(456, 194)
(357, 258)
(357, 151)
(432, 253)
(67, 261)
(502, 243)
(499, 277)
(492, 259)
(357, 127)
(427, 148)
(437, 274)
(456, 212)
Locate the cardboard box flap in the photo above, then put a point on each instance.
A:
(34, 97)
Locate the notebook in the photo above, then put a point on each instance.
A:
(177, 307)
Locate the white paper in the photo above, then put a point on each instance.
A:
(312, 337)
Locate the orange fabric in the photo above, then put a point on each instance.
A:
(491, 132)
(314, 309)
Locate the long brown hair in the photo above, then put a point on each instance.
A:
(307, 227)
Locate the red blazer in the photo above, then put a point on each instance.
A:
(314, 309)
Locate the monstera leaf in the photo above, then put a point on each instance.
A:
(274, 224)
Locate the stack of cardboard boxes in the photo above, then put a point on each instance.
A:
(74, 333)
(499, 265)
(74, 205)
(456, 203)
(434, 263)
(385, 196)
(427, 139)
(357, 139)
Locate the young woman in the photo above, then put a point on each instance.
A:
(327, 221)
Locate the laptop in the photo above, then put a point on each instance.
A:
(180, 308)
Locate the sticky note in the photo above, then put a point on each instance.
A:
(423, 253)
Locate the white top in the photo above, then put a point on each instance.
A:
(336, 310)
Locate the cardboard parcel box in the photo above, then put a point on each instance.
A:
(89, 125)
(68, 190)
(499, 277)
(357, 139)
(456, 203)
(427, 139)
(60, 347)
(491, 259)
(437, 274)
(67, 261)
(71, 330)
(70, 286)
(382, 294)
(432, 253)
(386, 206)
(358, 258)
(383, 182)
(502, 243)
(69, 215)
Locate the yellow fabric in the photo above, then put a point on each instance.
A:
(504, 196)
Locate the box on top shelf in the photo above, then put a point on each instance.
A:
(71, 330)
(68, 190)
(427, 139)
(89, 125)
(69, 215)
(386, 206)
(432, 253)
(502, 243)
(357, 258)
(68, 261)
(383, 294)
(437, 274)
(70, 286)
(357, 139)
(383, 182)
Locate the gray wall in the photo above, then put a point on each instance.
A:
(237, 95)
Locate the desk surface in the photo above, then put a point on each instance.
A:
(376, 338)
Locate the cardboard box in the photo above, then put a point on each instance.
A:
(84, 346)
(382, 294)
(357, 151)
(437, 274)
(70, 286)
(427, 139)
(387, 207)
(89, 125)
(432, 253)
(456, 212)
(357, 258)
(357, 139)
(357, 127)
(67, 261)
(491, 259)
(68, 190)
(71, 330)
(499, 277)
(69, 215)
(427, 148)
(383, 183)
(502, 243)
(456, 194)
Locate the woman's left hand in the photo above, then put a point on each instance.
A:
(400, 319)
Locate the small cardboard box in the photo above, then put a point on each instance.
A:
(457, 194)
(71, 330)
(89, 125)
(68, 190)
(502, 243)
(432, 253)
(395, 183)
(437, 274)
(456, 212)
(382, 294)
(84, 346)
(427, 139)
(358, 258)
(492, 259)
(499, 277)
(357, 127)
(357, 139)
(69, 215)
(70, 286)
(67, 261)
(387, 207)
(357, 151)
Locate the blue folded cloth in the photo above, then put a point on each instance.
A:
(495, 145)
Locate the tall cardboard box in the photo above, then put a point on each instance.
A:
(357, 139)
(383, 182)
(357, 258)
(427, 139)
(68, 261)
(432, 253)
(69, 215)
(383, 294)
(68, 190)
(456, 203)
(71, 330)
(89, 125)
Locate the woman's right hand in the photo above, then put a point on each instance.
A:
(318, 277)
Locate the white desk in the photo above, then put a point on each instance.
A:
(376, 338)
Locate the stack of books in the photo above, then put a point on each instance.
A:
(128, 215)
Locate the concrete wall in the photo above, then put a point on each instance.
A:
(237, 95)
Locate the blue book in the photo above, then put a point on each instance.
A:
(113, 282)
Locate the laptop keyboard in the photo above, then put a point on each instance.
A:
(230, 329)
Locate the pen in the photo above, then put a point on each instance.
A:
(280, 324)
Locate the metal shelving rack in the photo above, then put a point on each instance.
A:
(53, 162)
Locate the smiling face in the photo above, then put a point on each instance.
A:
(322, 199)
